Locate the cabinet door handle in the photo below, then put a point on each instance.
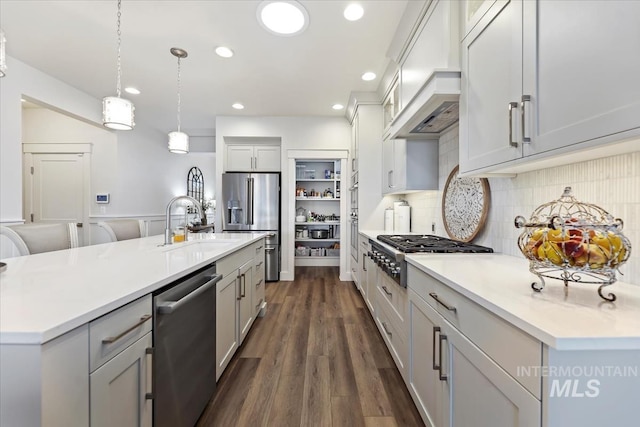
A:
(149, 395)
(512, 105)
(244, 285)
(364, 265)
(389, 179)
(239, 277)
(386, 291)
(525, 98)
(353, 165)
(440, 374)
(442, 303)
(436, 366)
(384, 326)
(111, 340)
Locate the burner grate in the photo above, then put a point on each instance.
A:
(411, 243)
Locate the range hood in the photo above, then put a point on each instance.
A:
(433, 110)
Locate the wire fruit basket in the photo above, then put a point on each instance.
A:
(574, 242)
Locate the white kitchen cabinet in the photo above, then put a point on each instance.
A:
(535, 87)
(481, 392)
(235, 307)
(119, 388)
(464, 361)
(227, 316)
(245, 298)
(355, 138)
(258, 293)
(391, 104)
(371, 284)
(409, 165)
(391, 303)
(252, 158)
(48, 384)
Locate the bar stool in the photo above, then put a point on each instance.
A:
(125, 229)
(32, 239)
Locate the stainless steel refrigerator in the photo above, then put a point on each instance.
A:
(251, 202)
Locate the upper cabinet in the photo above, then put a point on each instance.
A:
(252, 158)
(409, 165)
(391, 104)
(545, 79)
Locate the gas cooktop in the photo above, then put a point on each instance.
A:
(412, 243)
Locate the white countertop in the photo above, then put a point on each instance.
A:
(45, 295)
(572, 318)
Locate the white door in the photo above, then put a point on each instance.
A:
(57, 189)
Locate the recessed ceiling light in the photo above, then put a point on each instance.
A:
(353, 12)
(368, 76)
(284, 18)
(238, 106)
(337, 106)
(132, 90)
(224, 52)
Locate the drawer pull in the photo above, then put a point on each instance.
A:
(386, 291)
(149, 351)
(259, 283)
(111, 340)
(384, 326)
(259, 264)
(259, 304)
(436, 366)
(442, 376)
(442, 303)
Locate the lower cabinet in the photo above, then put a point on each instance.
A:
(245, 298)
(227, 310)
(390, 314)
(239, 297)
(119, 388)
(452, 380)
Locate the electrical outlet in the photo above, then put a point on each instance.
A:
(433, 227)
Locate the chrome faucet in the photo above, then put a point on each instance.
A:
(167, 231)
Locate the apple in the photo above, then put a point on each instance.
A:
(573, 248)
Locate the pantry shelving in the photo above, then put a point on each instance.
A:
(317, 200)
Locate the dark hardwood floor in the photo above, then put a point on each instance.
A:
(315, 359)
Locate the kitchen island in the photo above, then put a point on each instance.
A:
(52, 305)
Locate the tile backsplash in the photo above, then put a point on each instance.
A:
(613, 183)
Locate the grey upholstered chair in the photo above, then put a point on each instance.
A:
(125, 229)
(32, 239)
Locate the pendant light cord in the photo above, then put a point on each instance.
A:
(178, 94)
(118, 86)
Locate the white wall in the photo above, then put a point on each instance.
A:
(135, 166)
(613, 183)
(296, 133)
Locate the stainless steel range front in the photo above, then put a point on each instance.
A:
(389, 250)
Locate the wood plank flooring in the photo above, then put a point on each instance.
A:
(315, 359)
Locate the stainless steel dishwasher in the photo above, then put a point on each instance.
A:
(184, 337)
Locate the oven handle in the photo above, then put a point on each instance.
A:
(171, 306)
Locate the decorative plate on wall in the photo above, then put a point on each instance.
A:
(465, 204)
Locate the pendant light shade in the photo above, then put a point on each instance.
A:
(118, 113)
(3, 58)
(178, 141)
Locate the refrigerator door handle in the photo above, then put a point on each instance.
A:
(250, 201)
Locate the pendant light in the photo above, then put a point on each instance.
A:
(117, 112)
(178, 141)
(3, 59)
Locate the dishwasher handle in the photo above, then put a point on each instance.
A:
(169, 307)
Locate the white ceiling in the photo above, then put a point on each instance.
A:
(75, 41)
